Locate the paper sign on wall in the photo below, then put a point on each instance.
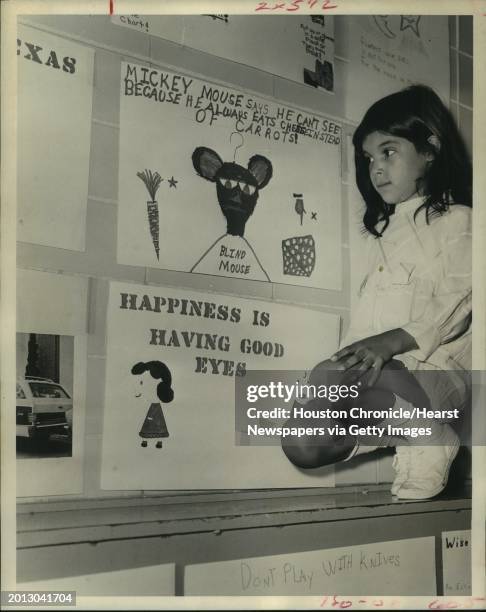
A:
(144, 581)
(51, 345)
(55, 83)
(172, 359)
(389, 52)
(300, 48)
(216, 181)
(456, 562)
(400, 567)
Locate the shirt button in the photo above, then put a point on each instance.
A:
(380, 269)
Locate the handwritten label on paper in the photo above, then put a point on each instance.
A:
(335, 602)
(389, 52)
(456, 562)
(295, 5)
(384, 568)
(135, 21)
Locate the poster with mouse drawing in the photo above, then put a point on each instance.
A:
(394, 51)
(300, 48)
(173, 359)
(216, 181)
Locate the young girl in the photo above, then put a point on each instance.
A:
(414, 310)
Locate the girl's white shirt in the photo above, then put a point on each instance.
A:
(419, 279)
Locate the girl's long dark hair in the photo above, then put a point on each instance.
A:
(416, 113)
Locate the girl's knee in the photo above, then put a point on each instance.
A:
(325, 373)
(377, 399)
(301, 454)
(374, 399)
(314, 451)
(305, 456)
(396, 378)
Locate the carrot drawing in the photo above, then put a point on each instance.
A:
(152, 183)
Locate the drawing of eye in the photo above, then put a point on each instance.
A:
(247, 189)
(228, 183)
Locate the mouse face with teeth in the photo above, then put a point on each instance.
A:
(237, 187)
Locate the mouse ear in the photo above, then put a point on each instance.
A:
(261, 168)
(206, 162)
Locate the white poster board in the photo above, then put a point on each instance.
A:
(299, 47)
(456, 562)
(216, 181)
(150, 580)
(204, 341)
(400, 567)
(389, 52)
(55, 84)
(60, 312)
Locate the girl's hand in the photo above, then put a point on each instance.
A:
(373, 352)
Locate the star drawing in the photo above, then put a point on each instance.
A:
(410, 21)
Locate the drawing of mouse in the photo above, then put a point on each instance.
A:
(237, 190)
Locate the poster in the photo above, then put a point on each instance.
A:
(299, 48)
(394, 51)
(172, 359)
(55, 84)
(134, 581)
(456, 562)
(384, 568)
(216, 181)
(51, 383)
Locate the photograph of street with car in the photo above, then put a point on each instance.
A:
(44, 406)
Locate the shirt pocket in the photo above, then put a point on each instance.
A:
(402, 274)
(397, 289)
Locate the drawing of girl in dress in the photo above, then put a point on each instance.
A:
(155, 380)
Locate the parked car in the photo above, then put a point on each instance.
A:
(44, 409)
